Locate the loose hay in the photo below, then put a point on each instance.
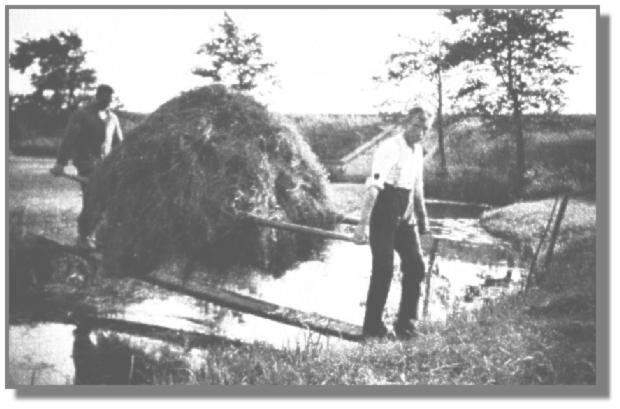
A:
(182, 181)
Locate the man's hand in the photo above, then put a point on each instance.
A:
(423, 226)
(57, 170)
(361, 234)
(408, 216)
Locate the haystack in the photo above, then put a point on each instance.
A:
(182, 182)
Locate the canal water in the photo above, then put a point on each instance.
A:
(334, 286)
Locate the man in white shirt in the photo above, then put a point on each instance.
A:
(394, 215)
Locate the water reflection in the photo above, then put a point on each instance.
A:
(335, 287)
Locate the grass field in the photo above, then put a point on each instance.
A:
(39, 203)
(544, 337)
(559, 153)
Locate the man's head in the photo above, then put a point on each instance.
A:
(103, 97)
(415, 125)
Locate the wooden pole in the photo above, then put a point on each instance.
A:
(176, 336)
(242, 303)
(368, 145)
(427, 282)
(556, 231)
(75, 178)
(228, 299)
(532, 271)
(297, 228)
(342, 219)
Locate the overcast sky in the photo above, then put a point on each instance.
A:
(325, 59)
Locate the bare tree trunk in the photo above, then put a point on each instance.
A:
(517, 129)
(71, 105)
(439, 122)
(518, 133)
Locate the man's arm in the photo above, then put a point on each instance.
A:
(118, 133)
(368, 202)
(67, 146)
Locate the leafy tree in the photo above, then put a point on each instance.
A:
(58, 75)
(235, 59)
(427, 58)
(522, 47)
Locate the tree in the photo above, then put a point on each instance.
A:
(522, 48)
(428, 59)
(58, 75)
(235, 59)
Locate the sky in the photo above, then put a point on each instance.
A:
(325, 59)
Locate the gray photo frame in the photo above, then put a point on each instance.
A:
(597, 322)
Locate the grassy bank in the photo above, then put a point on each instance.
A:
(495, 347)
(572, 268)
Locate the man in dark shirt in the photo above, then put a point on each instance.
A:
(91, 134)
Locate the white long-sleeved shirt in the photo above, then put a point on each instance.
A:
(397, 164)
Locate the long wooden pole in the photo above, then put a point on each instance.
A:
(368, 145)
(260, 308)
(342, 219)
(532, 271)
(556, 231)
(427, 282)
(226, 298)
(176, 336)
(297, 228)
(75, 178)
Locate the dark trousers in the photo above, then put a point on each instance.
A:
(389, 233)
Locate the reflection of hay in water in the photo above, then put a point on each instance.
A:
(184, 178)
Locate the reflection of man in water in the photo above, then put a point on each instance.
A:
(106, 362)
(85, 358)
(394, 211)
(91, 134)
